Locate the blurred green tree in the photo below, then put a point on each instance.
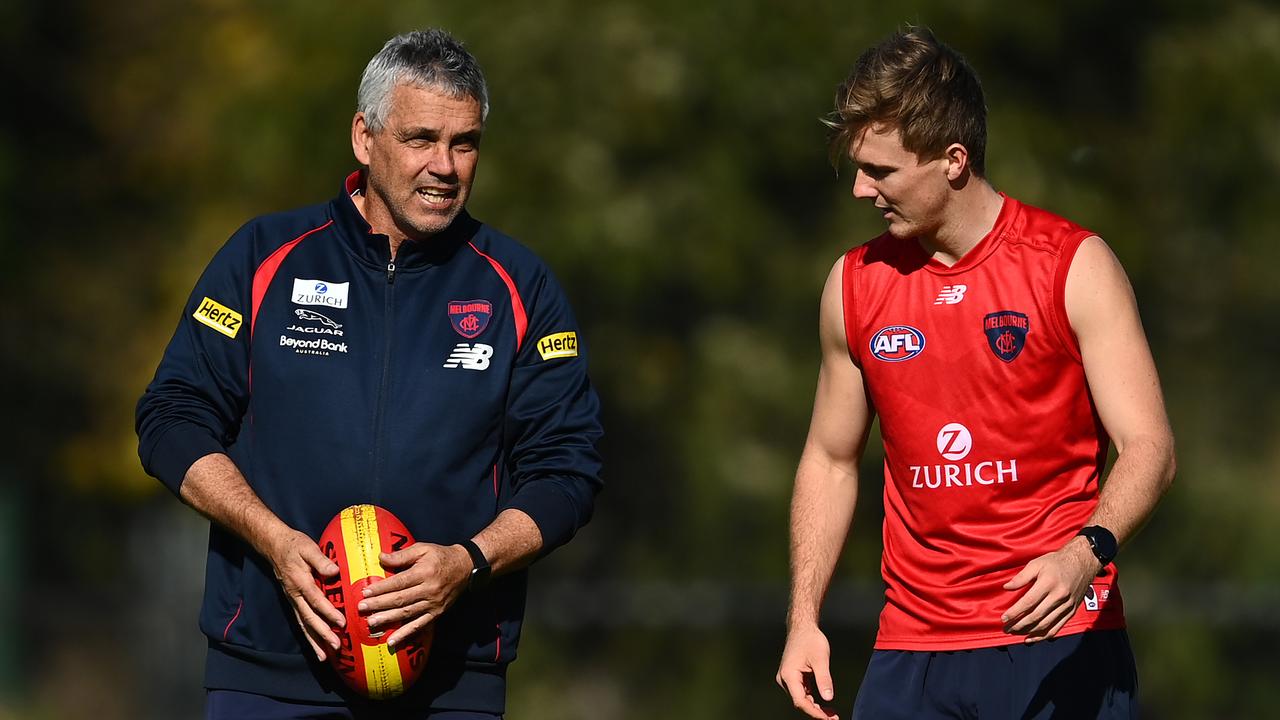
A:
(666, 159)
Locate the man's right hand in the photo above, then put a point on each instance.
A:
(214, 486)
(805, 672)
(297, 560)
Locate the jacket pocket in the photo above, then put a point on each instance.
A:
(223, 593)
(483, 627)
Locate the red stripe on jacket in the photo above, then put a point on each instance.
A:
(517, 305)
(227, 631)
(266, 272)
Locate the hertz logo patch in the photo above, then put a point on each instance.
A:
(560, 345)
(218, 316)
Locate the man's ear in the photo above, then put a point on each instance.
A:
(360, 137)
(957, 161)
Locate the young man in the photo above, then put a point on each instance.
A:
(385, 348)
(1001, 348)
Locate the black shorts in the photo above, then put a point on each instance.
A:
(1083, 676)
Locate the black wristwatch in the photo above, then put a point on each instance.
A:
(1102, 542)
(480, 570)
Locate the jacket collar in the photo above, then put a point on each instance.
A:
(375, 248)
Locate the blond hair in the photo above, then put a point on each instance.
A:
(927, 91)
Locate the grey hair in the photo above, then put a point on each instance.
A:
(424, 58)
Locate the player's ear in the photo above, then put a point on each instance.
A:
(957, 161)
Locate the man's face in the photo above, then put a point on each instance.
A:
(910, 192)
(422, 161)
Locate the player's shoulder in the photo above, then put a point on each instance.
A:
(1042, 229)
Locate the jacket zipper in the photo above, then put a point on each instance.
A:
(388, 311)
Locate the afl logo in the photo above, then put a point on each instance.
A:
(897, 343)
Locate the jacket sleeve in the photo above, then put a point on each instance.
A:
(194, 405)
(553, 421)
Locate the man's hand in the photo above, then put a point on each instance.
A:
(297, 560)
(805, 672)
(428, 579)
(1058, 583)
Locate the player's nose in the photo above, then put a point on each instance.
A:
(864, 187)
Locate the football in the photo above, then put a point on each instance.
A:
(353, 540)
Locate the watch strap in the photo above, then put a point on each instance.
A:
(480, 568)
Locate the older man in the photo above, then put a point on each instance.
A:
(383, 347)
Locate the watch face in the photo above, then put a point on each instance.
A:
(1102, 542)
(1110, 551)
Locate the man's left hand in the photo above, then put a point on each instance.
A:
(1058, 582)
(428, 579)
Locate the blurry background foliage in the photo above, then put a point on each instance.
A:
(665, 158)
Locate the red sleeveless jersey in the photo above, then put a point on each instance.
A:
(993, 448)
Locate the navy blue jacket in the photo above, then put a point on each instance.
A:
(446, 387)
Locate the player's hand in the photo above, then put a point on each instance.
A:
(1058, 582)
(805, 672)
(297, 561)
(428, 579)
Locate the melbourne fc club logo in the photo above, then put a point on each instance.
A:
(897, 343)
(1006, 333)
(470, 317)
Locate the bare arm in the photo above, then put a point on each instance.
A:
(822, 504)
(1126, 390)
(511, 541)
(1125, 387)
(215, 487)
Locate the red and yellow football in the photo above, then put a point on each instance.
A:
(353, 540)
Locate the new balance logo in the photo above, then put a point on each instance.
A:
(470, 357)
(951, 294)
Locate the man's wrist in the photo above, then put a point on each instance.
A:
(1101, 542)
(801, 620)
(480, 571)
(267, 534)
